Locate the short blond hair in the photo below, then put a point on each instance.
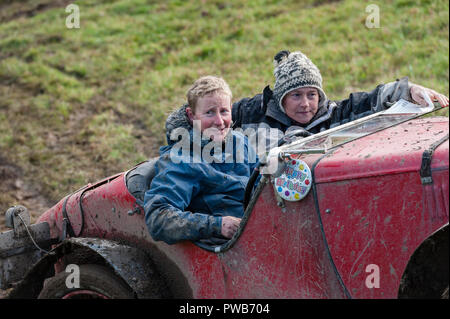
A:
(206, 85)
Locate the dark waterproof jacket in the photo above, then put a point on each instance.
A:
(187, 199)
(262, 110)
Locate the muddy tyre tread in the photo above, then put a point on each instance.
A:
(96, 278)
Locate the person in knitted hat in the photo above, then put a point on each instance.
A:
(296, 71)
(297, 77)
(298, 98)
(298, 101)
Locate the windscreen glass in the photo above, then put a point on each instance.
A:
(357, 129)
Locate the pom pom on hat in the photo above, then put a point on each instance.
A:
(280, 57)
(295, 70)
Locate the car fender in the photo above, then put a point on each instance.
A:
(129, 263)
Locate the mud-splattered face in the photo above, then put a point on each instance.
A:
(213, 111)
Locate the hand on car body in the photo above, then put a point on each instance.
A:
(230, 225)
(417, 95)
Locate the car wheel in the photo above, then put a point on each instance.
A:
(95, 282)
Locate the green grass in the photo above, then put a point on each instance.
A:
(80, 104)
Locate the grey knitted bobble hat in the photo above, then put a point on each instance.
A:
(294, 70)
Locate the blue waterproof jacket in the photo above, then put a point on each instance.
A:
(187, 199)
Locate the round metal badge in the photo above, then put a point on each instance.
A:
(295, 181)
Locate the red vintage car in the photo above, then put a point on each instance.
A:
(364, 215)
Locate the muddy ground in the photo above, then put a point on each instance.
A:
(16, 190)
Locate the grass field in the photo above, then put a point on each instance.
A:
(77, 105)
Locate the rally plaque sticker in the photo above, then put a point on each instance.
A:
(295, 182)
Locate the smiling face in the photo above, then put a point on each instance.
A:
(301, 104)
(213, 111)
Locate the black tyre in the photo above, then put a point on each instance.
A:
(426, 276)
(95, 282)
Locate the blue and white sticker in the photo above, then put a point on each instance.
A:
(295, 181)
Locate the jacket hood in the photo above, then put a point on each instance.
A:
(177, 119)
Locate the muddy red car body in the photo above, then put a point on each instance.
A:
(374, 225)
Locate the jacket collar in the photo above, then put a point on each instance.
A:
(195, 144)
(272, 109)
